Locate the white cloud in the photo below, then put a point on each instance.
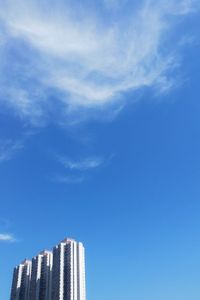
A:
(66, 57)
(77, 170)
(82, 164)
(8, 148)
(187, 6)
(4, 237)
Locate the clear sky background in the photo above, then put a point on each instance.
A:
(100, 141)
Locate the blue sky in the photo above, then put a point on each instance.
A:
(99, 141)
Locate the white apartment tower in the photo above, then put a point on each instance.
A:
(57, 275)
(21, 281)
(68, 274)
(40, 282)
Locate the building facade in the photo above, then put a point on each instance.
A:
(21, 281)
(68, 274)
(52, 275)
(40, 281)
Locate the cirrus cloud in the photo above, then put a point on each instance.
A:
(57, 58)
(77, 170)
(5, 237)
(8, 148)
(82, 164)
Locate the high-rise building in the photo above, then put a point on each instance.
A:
(40, 282)
(68, 275)
(21, 281)
(52, 276)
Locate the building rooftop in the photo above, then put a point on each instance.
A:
(45, 252)
(25, 262)
(68, 240)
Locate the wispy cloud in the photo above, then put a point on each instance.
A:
(56, 57)
(8, 148)
(82, 164)
(5, 237)
(79, 170)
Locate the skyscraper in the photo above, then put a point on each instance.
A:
(21, 281)
(52, 276)
(40, 282)
(68, 275)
